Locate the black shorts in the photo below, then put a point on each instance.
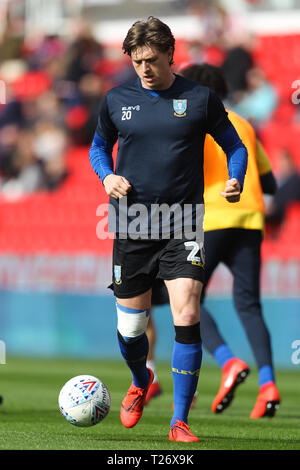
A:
(160, 294)
(137, 263)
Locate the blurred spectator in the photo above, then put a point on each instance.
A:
(8, 144)
(10, 72)
(214, 23)
(259, 101)
(114, 67)
(12, 39)
(288, 190)
(50, 145)
(49, 107)
(214, 19)
(11, 114)
(32, 159)
(237, 63)
(82, 115)
(82, 55)
(55, 172)
(40, 53)
(91, 91)
(25, 175)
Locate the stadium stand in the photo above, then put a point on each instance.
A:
(65, 220)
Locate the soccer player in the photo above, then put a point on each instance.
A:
(160, 121)
(233, 236)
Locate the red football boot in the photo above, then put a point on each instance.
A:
(153, 391)
(267, 402)
(180, 432)
(133, 403)
(234, 373)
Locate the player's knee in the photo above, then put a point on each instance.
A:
(132, 323)
(188, 316)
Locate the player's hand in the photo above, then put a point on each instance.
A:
(116, 186)
(232, 191)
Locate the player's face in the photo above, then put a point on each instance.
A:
(153, 67)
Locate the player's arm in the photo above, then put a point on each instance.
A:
(100, 155)
(101, 160)
(226, 136)
(267, 178)
(237, 159)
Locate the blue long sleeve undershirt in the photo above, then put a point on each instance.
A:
(236, 153)
(101, 157)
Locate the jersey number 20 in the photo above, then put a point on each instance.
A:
(126, 115)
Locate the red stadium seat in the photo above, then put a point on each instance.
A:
(286, 245)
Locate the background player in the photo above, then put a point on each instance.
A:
(233, 235)
(160, 121)
(159, 297)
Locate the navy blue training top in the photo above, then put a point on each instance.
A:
(161, 139)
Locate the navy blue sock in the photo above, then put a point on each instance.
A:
(135, 354)
(265, 375)
(222, 354)
(186, 363)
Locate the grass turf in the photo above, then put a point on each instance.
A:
(30, 418)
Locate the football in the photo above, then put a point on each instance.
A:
(84, 400)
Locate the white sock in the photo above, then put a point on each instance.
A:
(151, 365)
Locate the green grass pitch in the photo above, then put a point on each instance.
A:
(30, 418)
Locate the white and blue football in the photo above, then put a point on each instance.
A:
(84, 400)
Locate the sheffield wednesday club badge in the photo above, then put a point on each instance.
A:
(180, 107)
(117, 274)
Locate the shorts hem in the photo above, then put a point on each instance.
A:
(131, 294)
(186, 276)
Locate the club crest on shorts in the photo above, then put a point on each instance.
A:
(180, 107)
(117, 274)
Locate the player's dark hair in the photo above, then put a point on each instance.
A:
(208, 75)
(153, 33)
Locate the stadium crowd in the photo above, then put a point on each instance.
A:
(54, 86)
(53, 93)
